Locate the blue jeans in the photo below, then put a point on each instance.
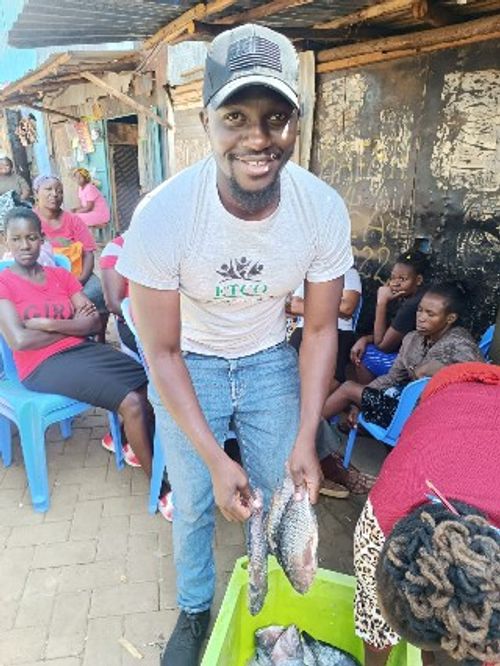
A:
(258, 398)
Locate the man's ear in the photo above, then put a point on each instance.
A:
(204, 119)
(420, 279)
(452, 318)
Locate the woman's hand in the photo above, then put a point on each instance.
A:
(305, 470)
(232, 491)
(357, 351)
(352, 416)
(386, 294)
(86, 310)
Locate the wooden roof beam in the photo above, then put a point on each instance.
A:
(258, 13)
(429, 12)
(392, 48)
(28, 80)
(139, 108)
(383, 8)
(176, 27)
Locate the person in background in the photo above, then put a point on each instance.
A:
(115, 288)
(427, 543)
(397, 301)
(69, 235)
(46, 319)
(10, 181)
(438, 341)
(93, 209)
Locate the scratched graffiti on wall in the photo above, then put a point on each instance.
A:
(413, 147)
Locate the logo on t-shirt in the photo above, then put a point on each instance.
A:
(240, 278)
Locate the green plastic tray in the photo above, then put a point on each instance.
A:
(326, 612)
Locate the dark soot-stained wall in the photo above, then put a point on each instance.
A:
(414, 148)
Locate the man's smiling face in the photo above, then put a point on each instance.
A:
(252, 135)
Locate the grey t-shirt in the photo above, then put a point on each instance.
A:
(234, 275)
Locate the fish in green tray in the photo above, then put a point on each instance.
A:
(325, 654)
(297, 548)
(257, 555)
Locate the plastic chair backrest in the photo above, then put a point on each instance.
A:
(407, 401)
(127, 315)
(484, 343)
(357, 312)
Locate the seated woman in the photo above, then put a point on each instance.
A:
(93, 209)
(45, 318)
(66, 232)
(397, 301)
(438, 341)
(348, 304)
(429, 571)
(10, 181)
(115, 288)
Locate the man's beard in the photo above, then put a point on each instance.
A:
(254, 202)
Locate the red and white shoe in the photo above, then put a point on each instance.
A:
(166, 507)
(128, 455)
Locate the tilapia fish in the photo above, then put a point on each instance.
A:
(297, 543)
(327, 655)
(257, 555)
(279, 503)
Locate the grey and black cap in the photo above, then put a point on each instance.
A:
(250, 55)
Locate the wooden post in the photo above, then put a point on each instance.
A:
(140, 108)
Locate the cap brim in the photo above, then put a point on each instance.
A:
(254, 80)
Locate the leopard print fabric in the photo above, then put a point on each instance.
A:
(368, 543)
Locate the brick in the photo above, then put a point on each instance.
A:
(64, 646)
(14, 568)
(68, 627)
(140, 544)
(140, 484)
(111, 546)
(62, 503)
(148, 632)
(42, 581)
(226, 557)
(86, 520)
(21, 645)
(14, 477)
(96, 456)
(102, 639)
(22, 515)
(168, 588)
(92, 576)
(65, 661)
(122, 506)
(10, 498)
(33, 535)
(56, 555)
(226, 533)
(114, 525)
(4, 535)
(35, 610)
(123, 599)
(143, 567)
(166, 537)
(8, 612)
(81, 475)
(102, 489)
(144, 523)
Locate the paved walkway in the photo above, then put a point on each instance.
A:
(92, 580)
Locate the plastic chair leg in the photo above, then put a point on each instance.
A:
(156, 475)
(5, 441)
(32, 437)
(116, 434)
(351, 440)
(65, 428)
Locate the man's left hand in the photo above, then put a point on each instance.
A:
(305, 470)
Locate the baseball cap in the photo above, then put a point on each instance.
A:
(250, 55)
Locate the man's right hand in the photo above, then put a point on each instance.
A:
(232, 491)
(357, 350)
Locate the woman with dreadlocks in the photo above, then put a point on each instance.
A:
(427, 544)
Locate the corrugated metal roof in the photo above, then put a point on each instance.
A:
(64, 69)
(43, 23)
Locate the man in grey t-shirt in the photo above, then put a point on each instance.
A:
(211, 256)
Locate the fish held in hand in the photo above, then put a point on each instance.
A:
(297, 544)
(257, 555)
(279, 503)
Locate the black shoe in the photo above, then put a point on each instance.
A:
(184, 645)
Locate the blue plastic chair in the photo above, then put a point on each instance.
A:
(390, 435)
(159, 462)
(484, 343)
(33, 412)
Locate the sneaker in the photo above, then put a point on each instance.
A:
(184, 645)
(128, 455)
(166, 506)
(332, 489)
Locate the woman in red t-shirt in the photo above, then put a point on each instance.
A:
(46, 319)
(62, 228)
(429, 571)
